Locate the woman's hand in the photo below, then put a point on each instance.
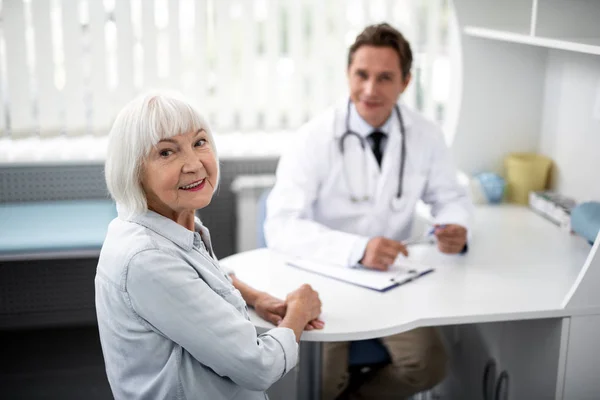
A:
(270, 308)
(303, 310)
(306, 301)
(314, 324)
(273, 310)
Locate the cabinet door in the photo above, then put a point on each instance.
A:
(468, 355)
(528, 352)
(582, 378)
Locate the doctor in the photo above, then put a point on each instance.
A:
(346, 193)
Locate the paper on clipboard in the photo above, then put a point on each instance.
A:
(401, 272)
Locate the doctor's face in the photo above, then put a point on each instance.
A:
(180, 175)
(376, 82)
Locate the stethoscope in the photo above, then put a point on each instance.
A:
(350, 133)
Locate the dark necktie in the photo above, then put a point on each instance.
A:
(376, 138)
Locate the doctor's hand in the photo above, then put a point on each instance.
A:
(381, 253)
(451, 238)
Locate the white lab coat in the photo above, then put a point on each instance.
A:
(310, 213)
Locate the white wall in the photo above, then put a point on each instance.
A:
(570, 133)
(501, 103)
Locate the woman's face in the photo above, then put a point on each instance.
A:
(180, 174)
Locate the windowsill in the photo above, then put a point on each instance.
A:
(92, 149)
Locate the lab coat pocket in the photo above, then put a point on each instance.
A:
(340, 209)
(412, 191)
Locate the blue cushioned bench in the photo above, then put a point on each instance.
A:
(54, 228)
(48, 256)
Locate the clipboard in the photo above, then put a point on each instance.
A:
(401, 272)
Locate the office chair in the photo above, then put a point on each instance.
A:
(261, 214)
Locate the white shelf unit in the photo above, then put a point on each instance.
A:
(579, 45)
(570, 25)
(531, 82)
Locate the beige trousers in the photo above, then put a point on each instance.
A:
(418, 362)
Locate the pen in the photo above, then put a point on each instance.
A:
(428, 238)
(433, 228)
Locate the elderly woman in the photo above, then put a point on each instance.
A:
(172, 323)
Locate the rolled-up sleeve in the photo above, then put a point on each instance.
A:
(287, 340)
(169, 295)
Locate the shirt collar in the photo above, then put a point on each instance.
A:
(362, 127)
(171, 230)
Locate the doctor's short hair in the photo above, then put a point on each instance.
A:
(384, 35)
(138, 128)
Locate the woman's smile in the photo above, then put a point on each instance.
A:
(194, 186)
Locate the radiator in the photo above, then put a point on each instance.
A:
(248, 190)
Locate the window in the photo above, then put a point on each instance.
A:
(250, 65)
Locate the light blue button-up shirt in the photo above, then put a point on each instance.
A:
(172, 326)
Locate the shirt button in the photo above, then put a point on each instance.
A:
(197, 240)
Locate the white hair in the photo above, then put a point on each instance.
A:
(139, 126)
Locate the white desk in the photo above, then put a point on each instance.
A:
(519, 267)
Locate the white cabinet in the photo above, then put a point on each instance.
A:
(583, 360)
(529, 353)
(524, 355)
(469, 356)
(530, 82)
